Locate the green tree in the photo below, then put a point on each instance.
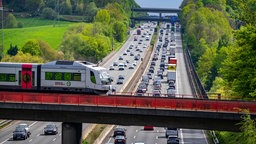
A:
(66, 7)
(13, 50)
(11, 21)
(48, 54)
(32, 47)
(102, 16)
(91, 11)
(49, 13)
(119, 31)
(248, 129)
(22, 58)
(79, 7)
(205, 66)
(34, 6)
(239, 68)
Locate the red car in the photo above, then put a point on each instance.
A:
(148, 128)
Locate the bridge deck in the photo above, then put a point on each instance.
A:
(129, 101)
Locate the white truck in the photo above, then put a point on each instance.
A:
(171, 76)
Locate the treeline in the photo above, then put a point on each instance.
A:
(84, 10)
(221, 37)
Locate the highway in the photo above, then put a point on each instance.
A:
(157, 136)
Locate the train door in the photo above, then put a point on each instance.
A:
(26, 76)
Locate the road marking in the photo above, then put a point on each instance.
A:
(181, 136)
(134, 137)
(54, 139)
(5, 141)
(30, 140)
(156, 137)
(38, 134)
(205, 137)
(32, 124)
(137, 130)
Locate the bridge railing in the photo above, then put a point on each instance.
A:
(129, 102)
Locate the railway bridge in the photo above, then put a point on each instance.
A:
(123, 109)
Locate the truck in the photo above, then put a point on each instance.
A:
(171, 76)
(138, 31)
(172, 60)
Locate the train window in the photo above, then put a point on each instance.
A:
(62, 76)
(57, 76)
(48, 76)
(68, 76)
(77, 76)
(92, 76)
(7, 77)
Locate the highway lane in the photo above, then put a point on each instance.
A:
(128, 72)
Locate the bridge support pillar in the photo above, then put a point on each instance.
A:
(71, 133)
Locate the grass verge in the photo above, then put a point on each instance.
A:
(94, 134)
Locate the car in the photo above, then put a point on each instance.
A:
(171, 92)
(121, 58)
(153, 63)
(148, 128)
(128, 50)
(121, 77)
(26, 127)
(171, 132)
(20, 133)
(171, 83)
(151, 70)
(143, 86)
(173, 140)
(149, 75)
(111, 68)
(157, 84)
(115, 63)
(50, 129)
(121, 66)
(136, 58)
(119, 131)
(131, 54)
(145, 79)
(144, 46)
(125, 53)
(156, 93)
(120, 140)
(119, 81)
(131, 66)
(160, 74)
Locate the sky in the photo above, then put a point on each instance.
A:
(159, 3)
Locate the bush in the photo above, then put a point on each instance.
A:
(11, 21)
(20, 25)
(49, 13)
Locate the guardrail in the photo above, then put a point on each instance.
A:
(199, 89)
(184, 104)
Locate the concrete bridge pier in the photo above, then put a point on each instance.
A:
(71, 133)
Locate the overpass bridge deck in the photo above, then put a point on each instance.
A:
(130, 101)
